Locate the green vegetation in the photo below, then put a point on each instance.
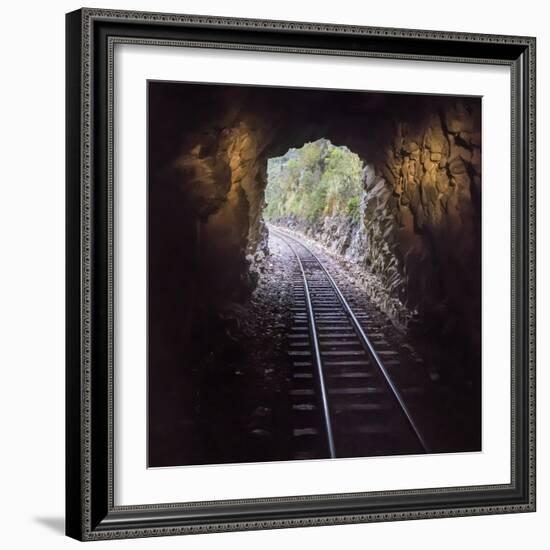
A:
(313, 182)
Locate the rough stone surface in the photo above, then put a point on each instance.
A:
(426, 221)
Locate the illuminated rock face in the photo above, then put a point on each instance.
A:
(422, 191)
(424, 219)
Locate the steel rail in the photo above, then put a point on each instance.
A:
(317, 353)
(367, 343)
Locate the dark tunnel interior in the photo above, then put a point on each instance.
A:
(419, 241)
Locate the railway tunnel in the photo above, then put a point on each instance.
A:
(209, 152)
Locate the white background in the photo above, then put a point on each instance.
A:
(32, 289)
(137, 485)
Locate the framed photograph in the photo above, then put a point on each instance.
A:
(300, 274)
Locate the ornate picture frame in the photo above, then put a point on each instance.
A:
(91, 509)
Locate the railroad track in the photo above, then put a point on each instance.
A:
(344, 401)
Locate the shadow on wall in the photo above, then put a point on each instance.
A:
(55, 524)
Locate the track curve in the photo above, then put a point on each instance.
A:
(345, 402)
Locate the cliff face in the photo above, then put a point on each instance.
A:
(417, 228)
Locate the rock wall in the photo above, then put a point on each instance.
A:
(225, 176)
(423, 220)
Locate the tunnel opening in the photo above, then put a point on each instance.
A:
(326, 192)
(318, 190)
(313, 183)
(394, 212)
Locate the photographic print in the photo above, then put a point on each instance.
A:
(314, 274)
(300, 274)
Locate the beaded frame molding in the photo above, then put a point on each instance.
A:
(90, 510)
